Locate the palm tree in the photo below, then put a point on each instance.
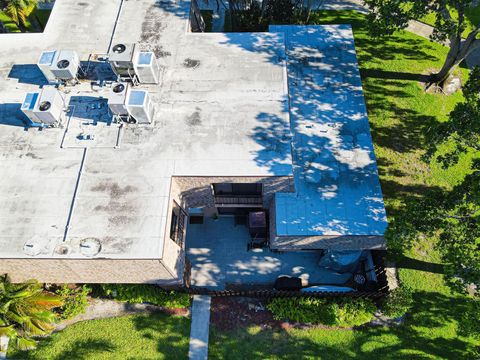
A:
(18, 10)
(25, 311)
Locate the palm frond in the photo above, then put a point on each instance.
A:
(24, 343)
(44, 301)
(8, 331)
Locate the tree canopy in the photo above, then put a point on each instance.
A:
(453, 216)
(386, 16)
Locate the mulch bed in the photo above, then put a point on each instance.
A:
(176, 311)
(229, 313)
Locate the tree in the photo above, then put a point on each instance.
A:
(452, 216)
(463, 127)
(25, 311)
(18, 10)
(386, 16)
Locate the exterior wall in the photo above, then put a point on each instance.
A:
(195, 191)
(88, 271)
(335, 242)
(296, 243)
(173, 255)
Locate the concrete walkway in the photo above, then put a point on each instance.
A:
(200, 328)
(414, 26)
(101, 309)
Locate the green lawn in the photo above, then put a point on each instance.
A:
(156, 336)
(400, 115)
(36, 21)
(472, 15)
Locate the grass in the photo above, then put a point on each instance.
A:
(36, 21)
(400, 115)
(156, 336)
(472, 15)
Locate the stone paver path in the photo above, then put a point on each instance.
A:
(200, 327)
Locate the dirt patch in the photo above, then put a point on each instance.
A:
(176, 312)
(229, 313)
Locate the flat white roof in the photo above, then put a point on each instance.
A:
(221, 110)
(336, 179)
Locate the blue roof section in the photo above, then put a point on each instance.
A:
(336, 179)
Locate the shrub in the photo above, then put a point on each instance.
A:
(344, 312)
(141, 293)
(353, 312)
(74, 301)
(398, 302)
(469, 324)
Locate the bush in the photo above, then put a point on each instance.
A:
(74, 301)
(469, 324)
(344, 312)
(398, 302)
(141, 293)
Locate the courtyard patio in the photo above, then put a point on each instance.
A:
(217, 250)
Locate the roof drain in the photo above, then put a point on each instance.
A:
(72, 205)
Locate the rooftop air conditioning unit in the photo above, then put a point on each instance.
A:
(65, 65)
(49, 107)
(45, 63)
(147, 68)
(140, 106)
(28, 105)
(121, 60)
(117, 99)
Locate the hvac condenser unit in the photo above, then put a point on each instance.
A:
(147, 68)
(140, 106)
(49, 107)
(65, 65)
(28, 105)
(117, 99)
(121, 59)
(45, 63)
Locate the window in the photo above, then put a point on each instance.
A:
(173, 225)
(237, 189)
(177, 225)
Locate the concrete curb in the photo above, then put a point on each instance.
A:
(200, 328)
